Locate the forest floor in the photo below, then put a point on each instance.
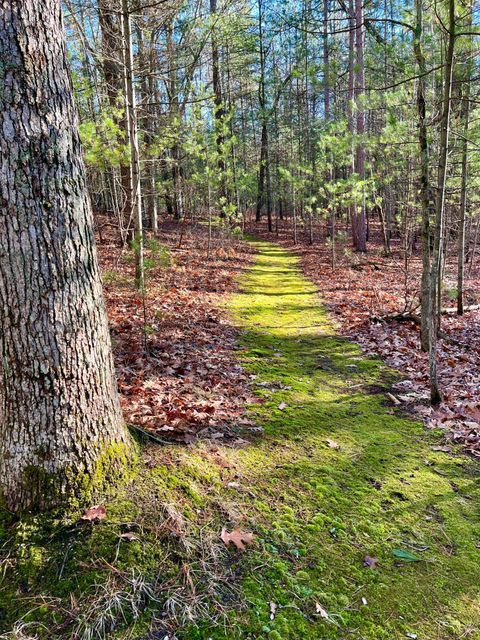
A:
(177, 375)
(354, 520)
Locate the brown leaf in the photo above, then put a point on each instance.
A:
(95, 514)
(370, 562)
(129, 536)
(238, 537)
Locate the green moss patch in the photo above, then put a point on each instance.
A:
(363, 529)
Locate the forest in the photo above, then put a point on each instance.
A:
(239, 320)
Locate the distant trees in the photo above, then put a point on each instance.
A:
(323, 118)
(61, 428)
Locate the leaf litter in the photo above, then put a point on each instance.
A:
(187, 382)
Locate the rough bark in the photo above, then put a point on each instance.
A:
(220, 113)
(147, 124)
(351, 84)
(463, 202)
(61, 429)
(176, 197)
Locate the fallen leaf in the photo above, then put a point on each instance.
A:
(95, 514)
(370, 562)
(332, 444)
(321, 611)
(401, 554)
(129, 536)
(238, 537)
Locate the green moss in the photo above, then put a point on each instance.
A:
(117, 463)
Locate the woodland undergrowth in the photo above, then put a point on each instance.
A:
(323, 512)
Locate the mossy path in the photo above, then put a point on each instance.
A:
(339, 475)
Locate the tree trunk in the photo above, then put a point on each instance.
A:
(109, 18)
(463, 203)
(264, 195)
(147, 124)
(437, 257)
(61, 428)
(351, 85)
(220, 113)
(465, 114)
(131, 109)
(360, 237)
(425, 190)
(326, 64)
(175, 199)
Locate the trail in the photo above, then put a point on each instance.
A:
(342, 479)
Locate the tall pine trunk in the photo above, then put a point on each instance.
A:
(131, 114)
(351, 87)
(109, 18)
(219, 113)
(437, 257)
(465, 116)
(61, 428)
(425, 189)
(360, 229)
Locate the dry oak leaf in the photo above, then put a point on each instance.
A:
(238, 537)
(95, 514)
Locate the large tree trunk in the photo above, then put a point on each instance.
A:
(264, 180)
(61, 428)
(351, 87)
(465, 116)
(175, 199)
(463, 201)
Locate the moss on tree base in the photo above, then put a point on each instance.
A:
(76, 487)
